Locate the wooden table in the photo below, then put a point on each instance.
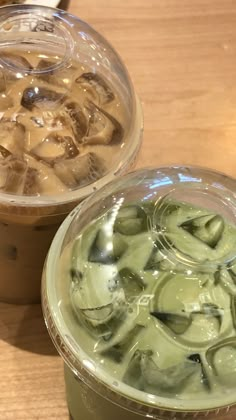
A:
(181, 56)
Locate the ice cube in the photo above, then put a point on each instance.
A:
(131, 220)
(54, 148)
(14, 170)
(81, 170)
(131, 282)
(133, 374)
(103, 127)
(41, 97)
(16, 177)
(170, 378)
(208, 229)
(106, 249)
(144, 374)
(91, 82)
(47, 181)
(31, 186)
(79, 121)
(71, 150)
(55, 76)
(58, 120)
(12, 136)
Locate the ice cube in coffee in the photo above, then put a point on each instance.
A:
(65, 124)
(73, 133)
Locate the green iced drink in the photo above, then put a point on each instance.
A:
(147, 303)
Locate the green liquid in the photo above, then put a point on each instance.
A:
(151, 299)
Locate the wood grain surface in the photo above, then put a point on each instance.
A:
(181, 56)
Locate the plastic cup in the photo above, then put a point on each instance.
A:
(69, 80)
(139, 297)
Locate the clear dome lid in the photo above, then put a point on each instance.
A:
(69, 118)
(139, 291)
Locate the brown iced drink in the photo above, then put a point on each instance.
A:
(63, 131)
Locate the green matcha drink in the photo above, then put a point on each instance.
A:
(139, 296)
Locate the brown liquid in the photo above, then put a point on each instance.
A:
(60, 128)
(23, 250)
(59, 131)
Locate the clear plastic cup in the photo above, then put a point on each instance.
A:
(139, 297)
(69, 123)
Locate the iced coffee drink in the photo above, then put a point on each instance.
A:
(144, 307)
(64, 131)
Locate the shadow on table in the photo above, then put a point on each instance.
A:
(23, 327)
(64, 4)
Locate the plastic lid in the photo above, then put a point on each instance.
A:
(140, 291)
(69, 120)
